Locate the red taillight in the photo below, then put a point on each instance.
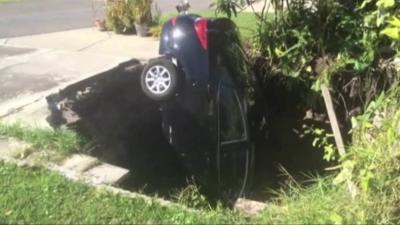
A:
(173, 21)
(201, 25)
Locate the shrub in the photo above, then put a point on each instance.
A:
(374, 158)
(142, 11)
(346, 44)
(120, 16)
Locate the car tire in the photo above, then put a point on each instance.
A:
(160, 79)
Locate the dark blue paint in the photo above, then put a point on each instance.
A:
(187, 49)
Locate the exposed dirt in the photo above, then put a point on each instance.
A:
(124, 127)
(283, 151)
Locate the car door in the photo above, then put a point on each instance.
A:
(233, 152)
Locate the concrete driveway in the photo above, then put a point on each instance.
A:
(33, 67)
(27, 17)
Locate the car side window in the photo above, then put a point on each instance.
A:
(230, 116)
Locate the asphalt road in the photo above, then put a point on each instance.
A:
(27, 17)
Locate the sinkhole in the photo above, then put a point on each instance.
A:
(123, 128)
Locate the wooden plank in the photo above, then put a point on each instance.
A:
(337, 134)
(333, 120)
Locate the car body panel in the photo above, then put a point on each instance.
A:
(207, 122)
(179, 40)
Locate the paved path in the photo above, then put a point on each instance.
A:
(33, 67)
(27, 17)
(89, 40)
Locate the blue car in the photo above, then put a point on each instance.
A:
(202, 84)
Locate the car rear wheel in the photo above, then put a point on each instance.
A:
(160, 79)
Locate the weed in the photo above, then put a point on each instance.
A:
(191, 196)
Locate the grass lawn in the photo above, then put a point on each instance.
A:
(60, 140)
(245, 21)
(7, 1)
(42, 197)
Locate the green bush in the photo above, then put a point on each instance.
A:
(142, 11)
(319, 40)
(120, 16)
(373, 162)
(344, 44)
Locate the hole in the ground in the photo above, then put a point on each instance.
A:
(126, 129)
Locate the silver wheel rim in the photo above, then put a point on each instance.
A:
(158, 79)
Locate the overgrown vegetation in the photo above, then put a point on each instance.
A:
(372, 164)
(345, 44)
(373, 160)
(338, 43)
(352, 47)
(192, 197)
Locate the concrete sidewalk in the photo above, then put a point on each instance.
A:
(89, 40)
(33, 67)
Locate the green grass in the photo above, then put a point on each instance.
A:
(245, 21)
(6, 1)
(60, 140)
(42, 197)
(321, 203)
